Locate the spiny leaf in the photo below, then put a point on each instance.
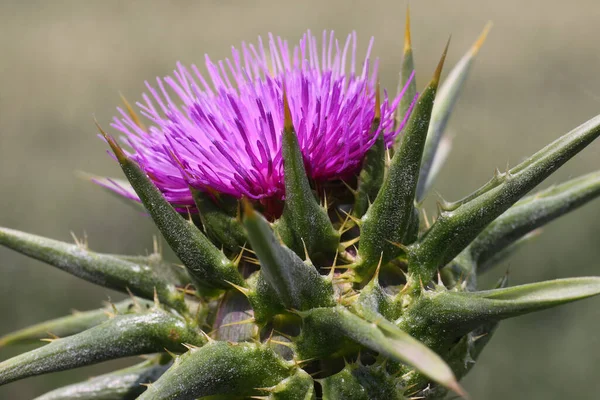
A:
(124, 384)
(444, 104)
(373, 168)
(304, 224)
(464, 220)
(206, 264)
(121, 336)
(466, 311)
(298, 285)
(220, 226)
(220, 368)
(71, 324)
(387, 220)
(101, 269)
(326, 331)
(533, 212)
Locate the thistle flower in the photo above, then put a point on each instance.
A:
(294, 306)
(226, 136)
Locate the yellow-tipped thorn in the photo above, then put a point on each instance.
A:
(376, 275)
(248, 209)
(350, 242)
(48, 340)
(173, 355)
(251, 260)
(325, 203)
(156, 300)
(117, 150)
(407, 41)
(398, 245)
(52, 335)
(238, 258)
(241, 289)
(352, 190)
(207, 337)
(187, 289)
(288, 124)
(333, 266)
(426, 219)
(306, 256)
(438, 71)
(136, 304)
(132, 114)
(481, 39)
(242, 322)
(354, 219)
(113, 307)
(190, 347)
(156, 247)
(286, 344)
(306, 361)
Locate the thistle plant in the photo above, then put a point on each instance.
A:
(291, 190)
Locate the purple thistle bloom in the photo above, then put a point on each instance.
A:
(227, 136)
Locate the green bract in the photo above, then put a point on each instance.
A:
(347, 293)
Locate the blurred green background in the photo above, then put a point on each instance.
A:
(64, 62)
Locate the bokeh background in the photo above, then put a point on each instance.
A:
(64, 62)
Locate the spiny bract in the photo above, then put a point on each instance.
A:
(293, 200)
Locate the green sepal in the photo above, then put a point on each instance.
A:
(533, 212)
(120, 336)
(466, 311)
(299, 386)
(71, 324)
(372, 172)
(334, 332)
(444, 104)
(124, 384)
(221, 369)
(462, 221)
(221, 227)
(304, 224)
(388, 219)
(298, 284)
(102, 269)
(206, 264)
(361, 382)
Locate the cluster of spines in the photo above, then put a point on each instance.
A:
(309, 315)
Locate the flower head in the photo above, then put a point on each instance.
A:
(226, 135)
